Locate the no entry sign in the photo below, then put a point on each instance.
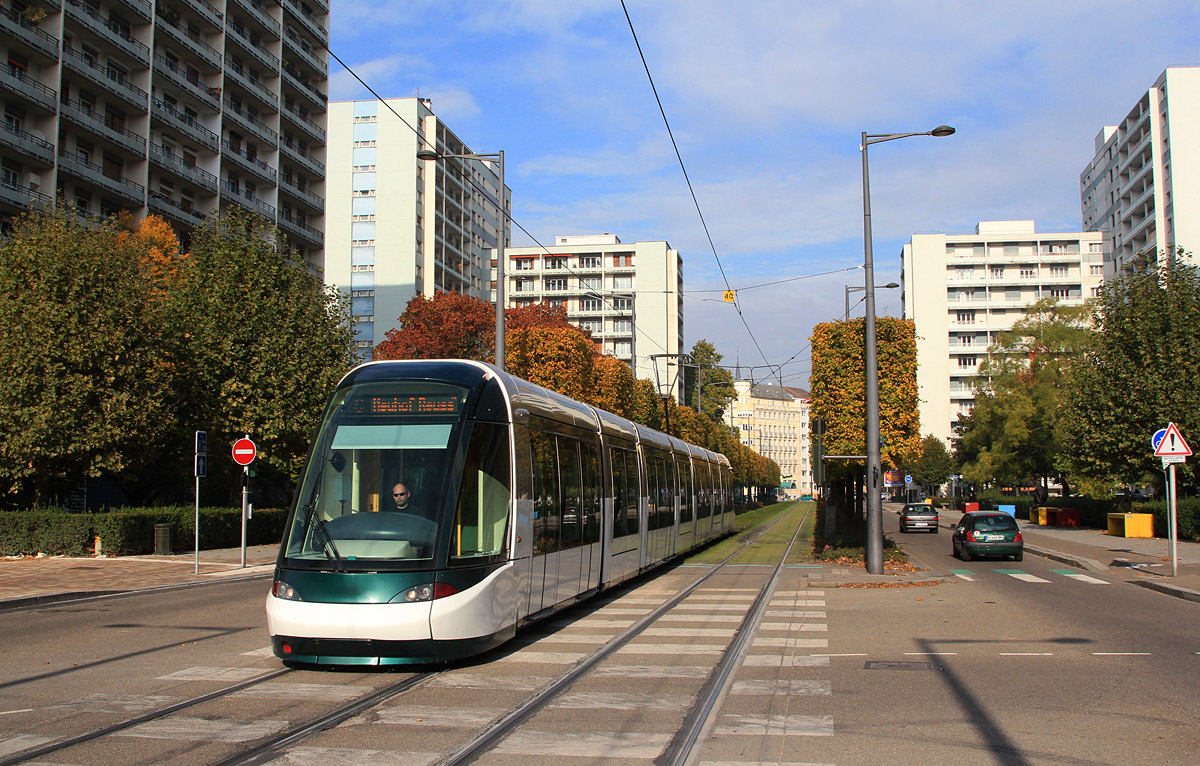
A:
(244, 451)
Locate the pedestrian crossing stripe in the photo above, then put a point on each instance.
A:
(1080, 577)
(965, 574)
(1018, 574)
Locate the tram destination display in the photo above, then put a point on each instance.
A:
(404, 404)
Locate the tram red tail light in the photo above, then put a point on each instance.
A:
(443, 589)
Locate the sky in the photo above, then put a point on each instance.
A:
(767, 101)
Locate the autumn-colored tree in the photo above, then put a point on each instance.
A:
(446, 326)
(838, 384)
(561, 359)
(163, 261)
(615, 387)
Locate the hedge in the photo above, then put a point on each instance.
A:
(130, 531)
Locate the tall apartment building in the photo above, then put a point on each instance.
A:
(1142, 189)
(398, 226)
(962, 290)
(628, 295)
(179, 108)
(773, 420)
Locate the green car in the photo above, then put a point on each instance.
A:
(987, 533)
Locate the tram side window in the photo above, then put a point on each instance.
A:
(546, 512)
(481, 518)
(572, 492)
(625, 492)
(591, 492)
(685, 489)
(704, 491)
(660, 486)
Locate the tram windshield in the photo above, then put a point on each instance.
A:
(377, 484)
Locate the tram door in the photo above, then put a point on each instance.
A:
(687, 538)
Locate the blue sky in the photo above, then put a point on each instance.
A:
(767, 101)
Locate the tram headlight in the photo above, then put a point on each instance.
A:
(424, 592)
(281, 589)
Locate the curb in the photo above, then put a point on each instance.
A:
(1079, 562)
(232, 575)
(1187, 594)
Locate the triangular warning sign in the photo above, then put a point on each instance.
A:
(1172, 443)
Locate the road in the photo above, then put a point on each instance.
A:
(1011, 663)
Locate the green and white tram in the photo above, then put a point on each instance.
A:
(521, 501)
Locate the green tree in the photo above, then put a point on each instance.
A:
(935, 466)
(265, 342)
(88, 369)
(1011, 437)
(708, 380)
(1141, 372)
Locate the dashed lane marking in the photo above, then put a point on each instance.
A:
(1026, 654)
(1121, 654)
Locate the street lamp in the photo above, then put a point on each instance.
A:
(498, 158)
(849, 289)
(874, 552)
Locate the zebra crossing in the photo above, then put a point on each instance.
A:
(969, 575)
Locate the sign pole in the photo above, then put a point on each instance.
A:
(201, 470)
(245, 500)
(1171, 509)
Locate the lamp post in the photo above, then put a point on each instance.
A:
(874, 552)
(498, 158)
(849, 289)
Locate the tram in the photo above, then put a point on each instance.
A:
(446, 504)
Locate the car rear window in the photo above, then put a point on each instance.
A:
(919, 509)
(996, 523)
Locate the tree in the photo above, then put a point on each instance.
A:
(708, 380)
(265, 342)
(561, 359)
(1011, 436)
(88, 366)
(1141, 372)
(935, 466)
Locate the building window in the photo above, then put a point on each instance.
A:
(589, 304)
(622, 283)
(1060, 292)
(997, 272)
(622, 325)
(1059, 271)
(591, 283)
(965, 273)
(1096, 270)
(556, 285)
(622, 304)
(525, 285)
(967, 361)
(1028, 272)
(556, 263)
(589, 261)
(590, 325)
(966, 317)
(523, 264)
(362, 144)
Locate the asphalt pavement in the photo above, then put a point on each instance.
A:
(1146, 562)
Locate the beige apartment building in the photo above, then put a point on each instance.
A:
(629, 295)
(773, 420)
(962, 290)
(179, 108)
(398, 226)
(1142, 188)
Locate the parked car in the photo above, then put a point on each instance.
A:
(918, 516)
(987, 533)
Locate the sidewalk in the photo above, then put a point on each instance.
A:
(31, 580)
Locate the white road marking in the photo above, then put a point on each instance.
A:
(458, 718)
(1025, 577)
(645, 746)
(577, 638)
(690, 632)
(303, 691)
(330, 756)
(619, 701)
(785, 661)
(776, 603)
(812, 627)
(475, 681)
(759, 763)
(22, 710)
(118, 703)
(968, 578)
(1121, 654)
(20, 742)
(794, 614)
(849, 654)
(266, 651)
(783, 686)
(792, 643)
(636, 648)
(803, 593)
(1086, 578)
(203, 673)
(590, 622)
(559, 658)
(1026, 654)
(931, 654)
(621, 610)
(656, 671)
(203, 729)
(782, 725)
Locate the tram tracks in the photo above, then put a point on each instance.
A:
(478, 744)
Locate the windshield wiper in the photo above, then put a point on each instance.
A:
(327, 547)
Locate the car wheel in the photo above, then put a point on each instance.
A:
(903, 531)
(1019, 556)
(966, 555)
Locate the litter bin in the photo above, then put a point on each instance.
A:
(968, 507)
(162, 539)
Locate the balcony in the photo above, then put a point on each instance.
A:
(239, 75)
(17, 198)
(293, 78)
(313, 201)
(141, 7)
(22, 30)
(84, 116)
(314, 27)
(104, 179)
(186, 125)
(34, 93)
(257, 13)
(303, 230)
(310, 127)
(190, 41)
(246, 199)
(187, 171)
(207, 13)
(247, 43)
(108, 31)
(244, 160)
(163, 205)
(190, 84)
(250, 123)
(28, 145)
(304, 53)
(292, 152)
(110, 80)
